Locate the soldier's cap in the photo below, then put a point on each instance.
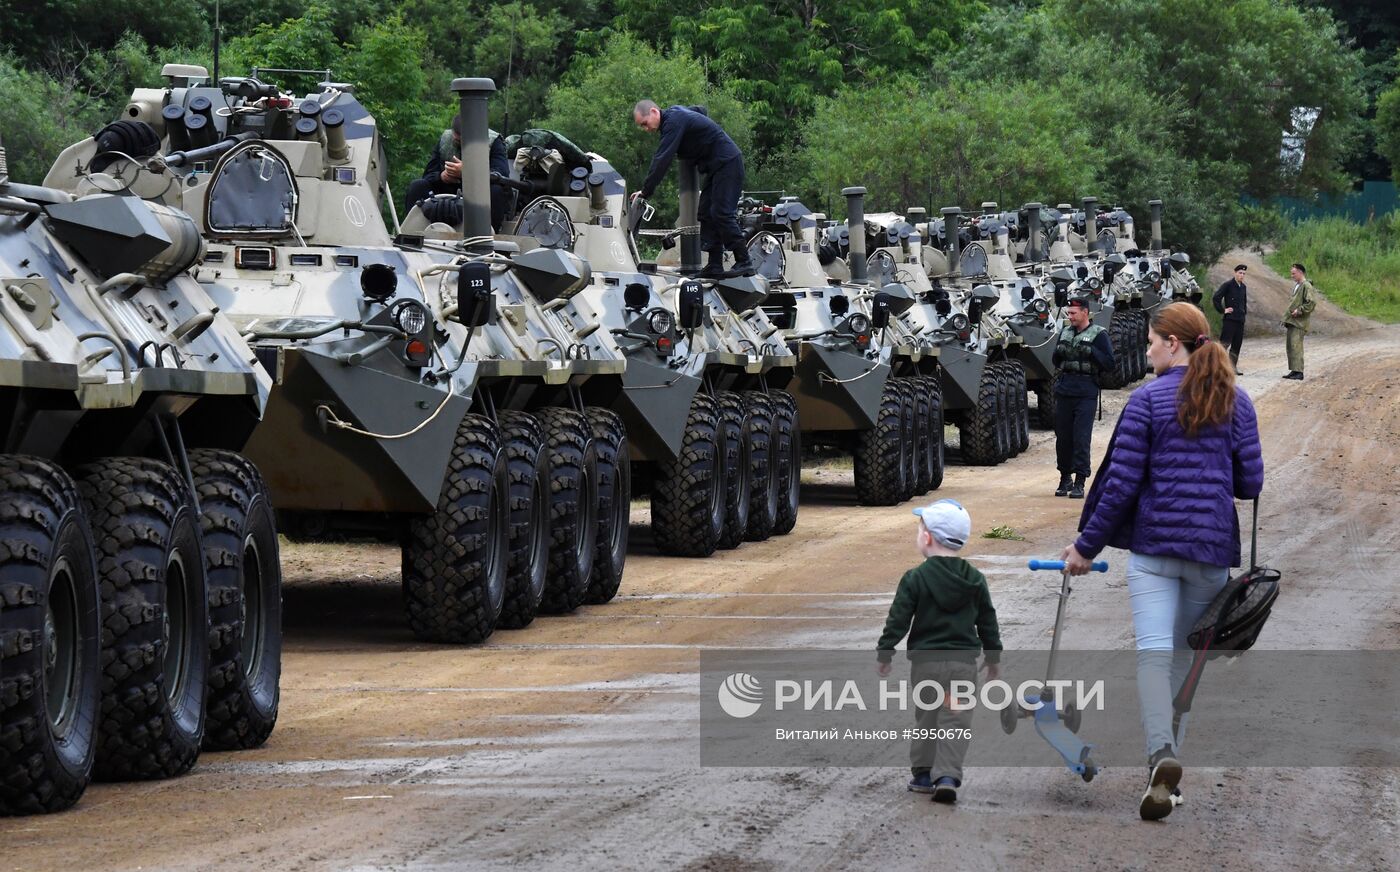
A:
(1241, 268)
(948, 522)
(1077, 301)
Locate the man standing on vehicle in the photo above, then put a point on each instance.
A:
(1082, 352)
(690, 134)
(1231, 302)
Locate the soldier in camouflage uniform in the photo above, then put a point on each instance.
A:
(1300, 309)
(1082, 352)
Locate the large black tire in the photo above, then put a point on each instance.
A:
(573, 508)
(763, 480)
(933, 389)
(614, 504)
(923, 436)
(1023, 406)
(455, 560)
(50, 640)
(1006, 412)
(1143, 366)
(787, 442)
(735, 423)
(1117, 376)
(977, 435)
(1045, 403)
(527, 476)
(909, 438)
(880, 464)
(245, 600)
(155, 618)
(687, 500)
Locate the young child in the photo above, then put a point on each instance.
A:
(949, 606)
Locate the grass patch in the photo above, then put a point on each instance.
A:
(1357, 266)
(1003, 532)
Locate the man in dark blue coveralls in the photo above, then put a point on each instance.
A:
(1082, 352)
(690, 135)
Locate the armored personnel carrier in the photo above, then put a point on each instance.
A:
(865, 384)
(140, 589)
(992, 379)
(425, 390)
(712, 433)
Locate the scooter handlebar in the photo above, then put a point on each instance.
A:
(1059, 565)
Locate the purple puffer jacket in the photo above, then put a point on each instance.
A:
(1166, 494)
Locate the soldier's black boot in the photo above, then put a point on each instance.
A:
(743, 264)
(1076, 491)
(714, 267)
(1063, 489)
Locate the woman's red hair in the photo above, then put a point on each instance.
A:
(1207, 393)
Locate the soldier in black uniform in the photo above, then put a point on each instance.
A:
(688, 133)
(1082, 352)
(443, 174)
(1231, 301)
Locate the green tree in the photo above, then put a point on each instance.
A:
(593, 105)
(957, 143)
(386, 65)
(1387, 125)
(781, 56)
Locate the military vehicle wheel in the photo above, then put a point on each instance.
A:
(527, 472)
(1023, 406)
(909, 438)
(687, 500)
(50, 640)
(787, 439)
(1045, 403)
(735, 420)
(977, 435)
(573, 519)
(923, 435)
(934, 390)
(1116, 376)
(455, 560)
(880, 466)
(245, 600)
(1143, 366)
(1006, 413)
(763, 478)
(614, 504)
(155, 617)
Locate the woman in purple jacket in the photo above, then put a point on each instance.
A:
(1185, 448)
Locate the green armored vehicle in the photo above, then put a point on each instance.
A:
(139, 578)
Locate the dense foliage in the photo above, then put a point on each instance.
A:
(927, 102)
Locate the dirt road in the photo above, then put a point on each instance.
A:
(573, 743)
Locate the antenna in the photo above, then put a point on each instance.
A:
(215, 83)
(510, 66)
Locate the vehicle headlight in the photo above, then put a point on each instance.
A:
(1095, 284)
(411, 317)
(858, 323)
(959, 323)
(1039, 306)
(660, 321)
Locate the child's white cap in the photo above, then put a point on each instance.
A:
(948, 522)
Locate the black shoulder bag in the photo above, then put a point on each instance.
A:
(1231, 623)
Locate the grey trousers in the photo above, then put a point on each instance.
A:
(941, 757)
